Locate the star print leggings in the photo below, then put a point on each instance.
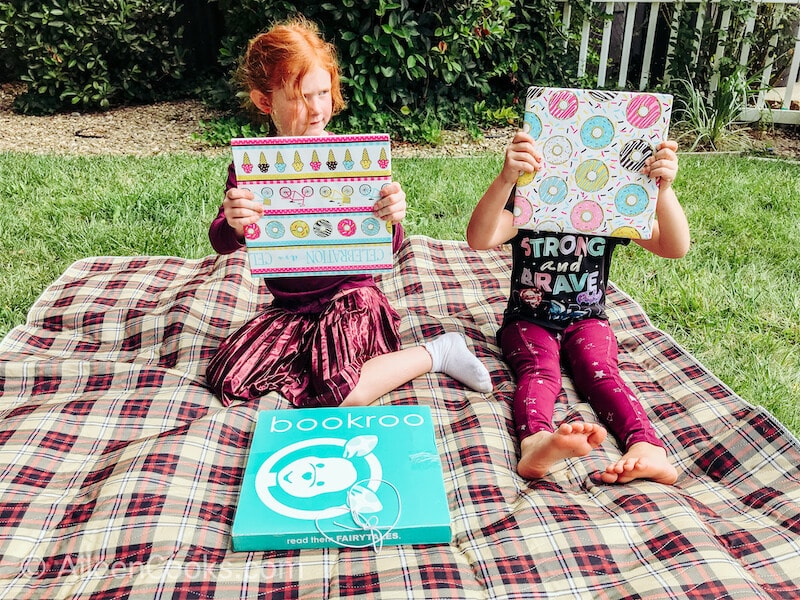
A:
(589, 349)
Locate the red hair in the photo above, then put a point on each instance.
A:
(280, 58)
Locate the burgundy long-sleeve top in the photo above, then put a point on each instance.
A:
(299, 294)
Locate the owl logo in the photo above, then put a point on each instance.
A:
(322, 479)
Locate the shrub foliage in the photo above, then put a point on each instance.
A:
(432, 60)
(73, 53)
(410, 67)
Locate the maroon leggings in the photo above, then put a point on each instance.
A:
(589, 348)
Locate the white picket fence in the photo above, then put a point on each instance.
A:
(624, 26)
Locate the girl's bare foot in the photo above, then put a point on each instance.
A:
(641, 461)
(542, 449)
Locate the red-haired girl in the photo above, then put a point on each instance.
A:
(327, 340)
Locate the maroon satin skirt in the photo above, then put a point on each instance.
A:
(311, 359)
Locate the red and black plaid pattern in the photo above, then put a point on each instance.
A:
(120, 471)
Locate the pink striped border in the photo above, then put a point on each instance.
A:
(327, 139)
(300, 181)
(317, 211)
(356, 267)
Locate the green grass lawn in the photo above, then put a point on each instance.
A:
(733, 302)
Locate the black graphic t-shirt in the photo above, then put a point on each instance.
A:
(559, 278)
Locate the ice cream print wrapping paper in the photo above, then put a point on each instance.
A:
(594, 145)
(318, 194)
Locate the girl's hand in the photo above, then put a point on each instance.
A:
(241, 209)
(663, 165)
(521, 157)
(391, 206)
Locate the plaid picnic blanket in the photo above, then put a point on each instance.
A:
(120, 471)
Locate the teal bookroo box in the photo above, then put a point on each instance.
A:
(348, 477)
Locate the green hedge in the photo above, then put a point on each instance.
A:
(407, 64)
(74, 53)
(433, 59)
(399, 57)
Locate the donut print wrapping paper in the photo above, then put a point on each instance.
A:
(594, 144)
(318, 194)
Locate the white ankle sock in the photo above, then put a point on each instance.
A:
(451, 355)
